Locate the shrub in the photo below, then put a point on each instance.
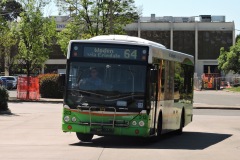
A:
(50, 86)
(3, 99)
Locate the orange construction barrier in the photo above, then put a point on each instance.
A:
(28, 88)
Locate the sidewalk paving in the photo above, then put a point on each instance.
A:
(42, 100)
(208, 106)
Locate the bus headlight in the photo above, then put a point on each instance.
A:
(66, 106)
(134, 123)
(74, 119)
(66, 118)
(141, 123)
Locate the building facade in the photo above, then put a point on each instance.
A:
(200, 36)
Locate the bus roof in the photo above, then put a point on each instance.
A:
(157, 50)
(125, 38)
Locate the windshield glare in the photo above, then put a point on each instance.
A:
(108, 84)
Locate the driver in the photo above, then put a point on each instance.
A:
(93, 80)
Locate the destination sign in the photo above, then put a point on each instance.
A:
(111, 51)
(115, 53)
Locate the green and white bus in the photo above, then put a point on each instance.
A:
(143, 89)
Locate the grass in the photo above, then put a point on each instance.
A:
(234, 89)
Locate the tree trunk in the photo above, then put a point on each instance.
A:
(28, 79)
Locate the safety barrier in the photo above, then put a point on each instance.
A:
(28, 88)
(211, 82)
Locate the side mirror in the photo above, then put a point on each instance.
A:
(62, 80)
(153, 75)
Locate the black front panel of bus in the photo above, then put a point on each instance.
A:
(109, 51)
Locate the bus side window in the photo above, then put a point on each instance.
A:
(178, 81)
(186, 85)
(169, 81)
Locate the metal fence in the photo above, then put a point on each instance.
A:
(215, 83)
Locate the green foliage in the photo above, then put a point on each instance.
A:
(35, 35)
(234, 89)
(3, 99)
(238, 37)
(178, 81)
(10, 10)
(95, 17)
(230, 60)
(50, 86)
(72, 31)
(7, 41)
(3, 28)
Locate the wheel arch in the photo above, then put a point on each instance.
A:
(160, 118)
(183, 114)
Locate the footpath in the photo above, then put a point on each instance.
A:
(41, 100)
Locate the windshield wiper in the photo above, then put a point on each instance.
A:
(125, 96)
(87, 92)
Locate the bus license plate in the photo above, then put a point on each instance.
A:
(102, 130)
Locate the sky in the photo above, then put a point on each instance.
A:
(184, 8)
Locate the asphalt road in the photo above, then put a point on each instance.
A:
(33, 131)
(216, 98)
(205, 98)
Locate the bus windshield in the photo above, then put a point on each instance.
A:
(116, 85)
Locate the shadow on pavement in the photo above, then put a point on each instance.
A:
(188, 141)
(9, 114)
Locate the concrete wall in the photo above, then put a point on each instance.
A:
(218, 28)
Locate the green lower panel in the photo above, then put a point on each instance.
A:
(122, 131)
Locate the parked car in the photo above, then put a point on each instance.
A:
(10, 82)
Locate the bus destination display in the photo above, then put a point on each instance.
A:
(113, 52)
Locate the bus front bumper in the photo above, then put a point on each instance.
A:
(106, 130)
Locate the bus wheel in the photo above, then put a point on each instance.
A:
(180, 130)
(84, 137)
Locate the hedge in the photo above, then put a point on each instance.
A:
(50, 86)
(3, 99)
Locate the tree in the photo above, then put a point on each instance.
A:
(35, 36)
(72, 31)
(102, 16)
(230, 60)
(10, 9)
(2, 30)
(96, 17)
(238, 37)
(7, 41)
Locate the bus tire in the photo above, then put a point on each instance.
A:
(84, 137)
(182, 121)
